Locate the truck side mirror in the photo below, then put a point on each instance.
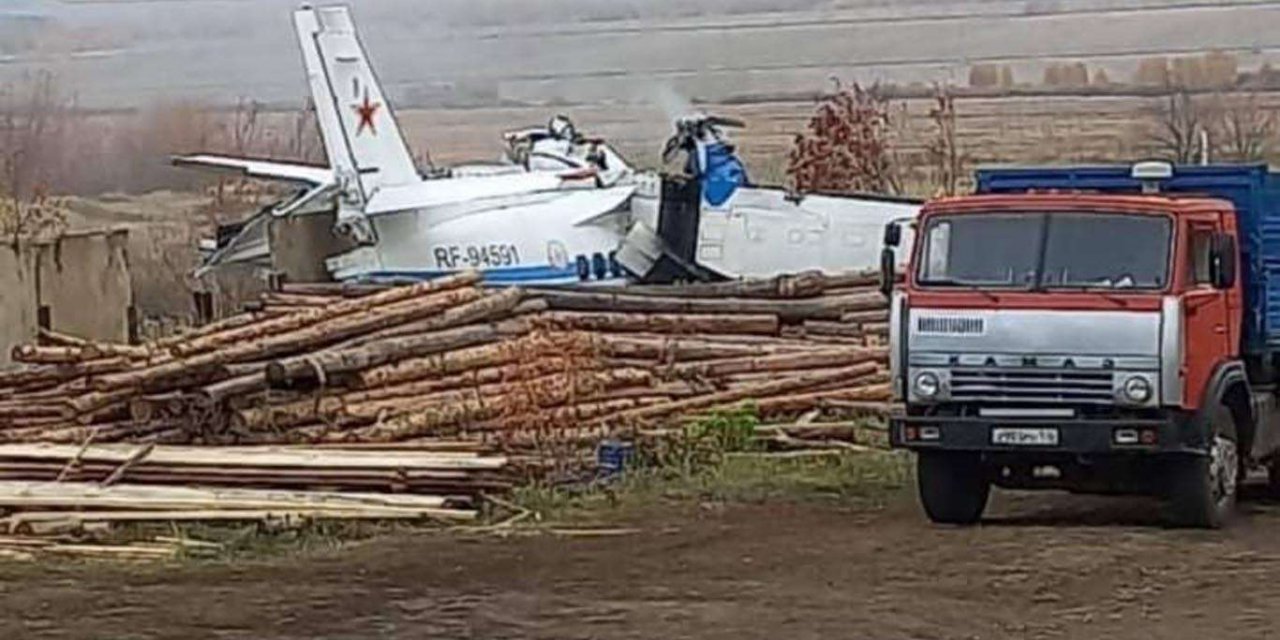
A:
(892, 234)
(1223, 261)
(888, 263)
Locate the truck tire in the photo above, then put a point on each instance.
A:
(953, 486)
(1202, 489)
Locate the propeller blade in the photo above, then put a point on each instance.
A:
(670, 150)
(723, 121)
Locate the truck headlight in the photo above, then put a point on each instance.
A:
(1137, 389)
(927, 385)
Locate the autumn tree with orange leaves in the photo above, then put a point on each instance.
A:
(847, 147)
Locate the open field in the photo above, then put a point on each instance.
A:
(791, 558)
(476, 53)
(1014, 130)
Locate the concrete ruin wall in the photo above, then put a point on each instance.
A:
(83, 281)
(19, 306)
(300, 244)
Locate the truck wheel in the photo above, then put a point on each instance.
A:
(953, 486)
(1202, 489)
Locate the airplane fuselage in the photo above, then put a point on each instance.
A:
(546, 237)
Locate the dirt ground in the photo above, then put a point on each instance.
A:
(1043, 566)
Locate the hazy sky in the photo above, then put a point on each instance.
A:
(123, 53)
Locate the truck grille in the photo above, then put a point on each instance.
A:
(951, 325)
(1040, 386)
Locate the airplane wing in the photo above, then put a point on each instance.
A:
(250, 245)
(264, 169)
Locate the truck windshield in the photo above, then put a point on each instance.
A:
(1047, 251)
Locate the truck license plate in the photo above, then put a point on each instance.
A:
(1025, 437)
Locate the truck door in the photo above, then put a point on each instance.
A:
(1208, 333)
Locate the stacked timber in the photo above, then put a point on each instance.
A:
(520, 371)
(69, 500)
(454, 472)
(44, 508)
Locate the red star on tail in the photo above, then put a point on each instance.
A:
(366, 111)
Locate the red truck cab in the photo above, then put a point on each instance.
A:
(1088, 341)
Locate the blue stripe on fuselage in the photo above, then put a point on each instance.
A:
(537, 274)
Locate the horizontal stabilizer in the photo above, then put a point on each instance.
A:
(264, 169)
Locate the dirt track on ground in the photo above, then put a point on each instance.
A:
(1042, 567)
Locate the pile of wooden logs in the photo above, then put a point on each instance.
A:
(341, 402)
(522, 371)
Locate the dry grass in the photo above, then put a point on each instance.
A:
(867, 480)
(1045, 129)
(46, 142)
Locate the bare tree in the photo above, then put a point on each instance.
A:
(1179, 128)
(32, 118)
(243, 137)
(947, 162)
(1242, 130)
(38, 215)
(303, 142)
(243, 130)
(847, 146)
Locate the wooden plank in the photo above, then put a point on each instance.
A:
(262, 457)
(665, 323)
(214, 475)
(823, 308)
(813, 359)
(15, 523)
(134, 458)
(801, 285)
(129, 497)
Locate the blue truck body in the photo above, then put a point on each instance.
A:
(1253, 189)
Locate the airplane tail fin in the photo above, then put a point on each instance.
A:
(360, 132)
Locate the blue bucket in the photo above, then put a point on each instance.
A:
(614, 456)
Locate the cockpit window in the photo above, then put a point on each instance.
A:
(1048, 251)
(982, 250)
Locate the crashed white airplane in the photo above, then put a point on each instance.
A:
(539, 225)
(565, 209)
